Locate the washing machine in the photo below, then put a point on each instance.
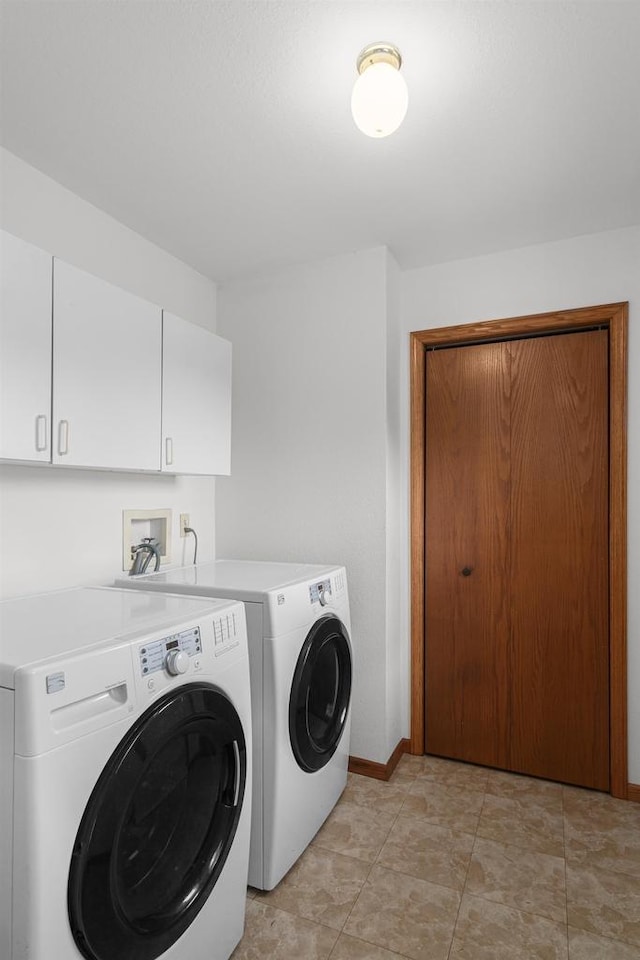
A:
(300, 659)
(125, 739)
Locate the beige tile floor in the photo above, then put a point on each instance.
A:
(448, 861)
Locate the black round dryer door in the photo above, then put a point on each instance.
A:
(320, 694)
(158, 826)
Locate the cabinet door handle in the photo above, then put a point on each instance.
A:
(169, 451)
(63, 438)
(41, 432)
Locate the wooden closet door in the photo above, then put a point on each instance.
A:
(516, 493)
(559, 663)
(467, 532)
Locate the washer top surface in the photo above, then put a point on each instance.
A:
(48, 625)
(241, 579)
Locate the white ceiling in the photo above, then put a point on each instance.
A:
(221, 129)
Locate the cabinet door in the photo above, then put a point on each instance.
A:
(106, 372)
(25, 350)
(196, 399)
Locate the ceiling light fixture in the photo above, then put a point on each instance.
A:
(380, 97)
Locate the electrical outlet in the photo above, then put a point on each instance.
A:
(184, 522)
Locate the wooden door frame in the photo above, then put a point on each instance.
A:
(614, 317)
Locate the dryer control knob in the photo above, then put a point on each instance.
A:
(177, 662)
(324, 598)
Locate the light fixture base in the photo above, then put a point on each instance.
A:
(380, 52)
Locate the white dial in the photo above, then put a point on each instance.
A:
(324, 597)
(177, 662)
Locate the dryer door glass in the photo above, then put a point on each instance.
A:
(320, 694)
(158, 827)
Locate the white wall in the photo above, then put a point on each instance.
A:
(63, 527)
(309, 448)
(585, 271)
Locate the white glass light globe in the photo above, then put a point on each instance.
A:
(379, 100)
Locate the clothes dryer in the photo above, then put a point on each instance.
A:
(300, 656)
(125, 746)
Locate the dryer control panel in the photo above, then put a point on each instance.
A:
(156, 655)
(320, 592)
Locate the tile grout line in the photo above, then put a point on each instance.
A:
(466, 876)
(566, 894)
(528, 849)
(373, 864)
(369, 943)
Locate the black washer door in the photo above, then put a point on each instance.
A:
(320, 694)
(158, 827)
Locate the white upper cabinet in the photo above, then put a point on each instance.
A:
(196, 399)
(25, 350)
(107, 352)
(93, 376)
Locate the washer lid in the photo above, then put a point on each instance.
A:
(49, 625)
(241, 579)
